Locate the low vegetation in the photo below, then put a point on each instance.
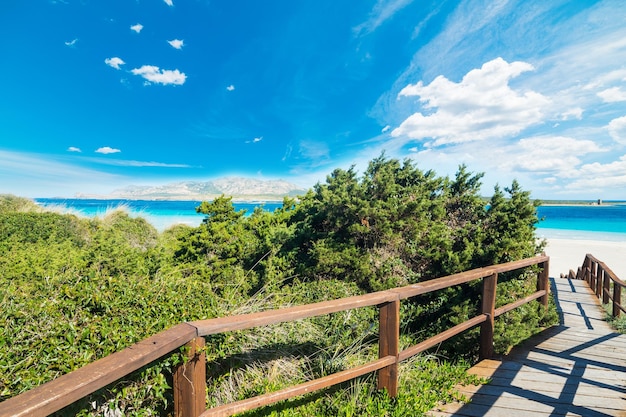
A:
(73, 290)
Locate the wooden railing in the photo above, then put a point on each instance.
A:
(189, 382)
(603, 281)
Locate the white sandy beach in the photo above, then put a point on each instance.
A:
(566, 254)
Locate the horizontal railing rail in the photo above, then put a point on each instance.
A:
(603, 281)
(189, 380)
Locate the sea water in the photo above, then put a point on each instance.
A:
(605, 222)
(594, 222)
(161, 214)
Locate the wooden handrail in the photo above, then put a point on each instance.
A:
(54, 395)
(189, 377)
(601, 279)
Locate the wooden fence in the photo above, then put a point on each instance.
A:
(603, 281)
(189, 382)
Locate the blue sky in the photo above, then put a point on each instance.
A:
(99, 95)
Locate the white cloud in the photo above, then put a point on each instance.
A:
(176, 43)
(155, 75)
(573, 113)
(38, 175)
(600, 81)
(482, 106)
(137, 28)
(73, 149)
(317, 153)
(139, 164)
(612, 95)
(230, 88)
(558, 154)
(72, 42)
(114, 62)
(617, 130)
(259, 139)
(612, 169)
(169, 2)
(382, 11)
(107, 150)
(599, 176)
(385, 129)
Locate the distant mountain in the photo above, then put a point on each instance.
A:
(238, 188)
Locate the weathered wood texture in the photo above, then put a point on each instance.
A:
(66, 389)
(577, 368)
(388, 345)
(190, 381)
(490, 284)
(304, 388)
(601, 280)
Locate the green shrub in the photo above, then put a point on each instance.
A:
(73, 290)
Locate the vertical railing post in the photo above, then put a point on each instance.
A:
(190, 381)
(543, 282)
(388, 345)
(599, 278)
(490, 284)
(587, 270)
(606, 287)
(617, 299)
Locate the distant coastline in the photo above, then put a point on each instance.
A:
(211, 197)
(591, 203)
(238, 188)
(251, 198)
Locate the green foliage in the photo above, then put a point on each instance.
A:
(618, 323)
(10, 203)
(398, 225)
(73, 290)
(510, 226)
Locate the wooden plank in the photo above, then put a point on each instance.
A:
(511, 369)
(190, 381)
(304, 388)
(564, 393)
(563, 371)
(543, 283)
(508, 307)
(595, 346)
(441, 283)
(572, 362)
(523, 263)
(56, 394)
(388, 345)
(248, 321)
(441, 337)
(617, 300)
(488, 309)
(464, 277)
(530, 400)
(543, 384)
(479, 410)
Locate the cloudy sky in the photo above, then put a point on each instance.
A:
(98, 95)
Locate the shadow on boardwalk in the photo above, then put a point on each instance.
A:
(577, 368)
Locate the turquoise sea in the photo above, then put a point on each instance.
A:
(604, 222)
(162, 214)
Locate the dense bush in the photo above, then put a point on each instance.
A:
(73, 290)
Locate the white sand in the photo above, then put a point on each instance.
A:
(566, 254)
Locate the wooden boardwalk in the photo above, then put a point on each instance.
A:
(577, 368)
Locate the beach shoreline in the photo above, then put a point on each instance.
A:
(566, 254)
